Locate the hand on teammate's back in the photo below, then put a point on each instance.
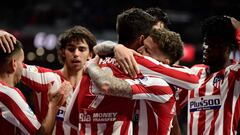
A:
(125, 59)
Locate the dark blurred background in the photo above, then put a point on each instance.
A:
(38, 23)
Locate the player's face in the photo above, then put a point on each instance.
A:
(19, 66)
(76, 54)
(151, 49)
(214, 52)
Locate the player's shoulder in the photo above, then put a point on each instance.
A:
(37, 69)
(7, 92)
(234, 67)
(199, 66)
(145, 59)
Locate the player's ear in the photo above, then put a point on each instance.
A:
(91, 55)
(141, 39)
(12, 66)
(166, 61)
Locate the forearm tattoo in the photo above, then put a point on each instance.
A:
(117, 87)
(105, 48)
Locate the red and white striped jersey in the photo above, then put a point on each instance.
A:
(99, 114)
(155, 106)
(16, 117)
(38, 78)
(181, 77)
(150, 90)
(213, 107)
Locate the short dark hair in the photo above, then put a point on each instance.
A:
(75, 33)
(159, 14)
(133, 23)
(5, 57)
(219, 27)
(169, 43)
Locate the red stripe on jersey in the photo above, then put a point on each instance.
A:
(36, 86)
(162, 68)
(215, 116)
(152, 120)
(156, 90)
(17, 112)
(227, 107)
(190, 124)
(201, 122)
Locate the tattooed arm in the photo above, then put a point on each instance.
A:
(108, 83)
(105, 48)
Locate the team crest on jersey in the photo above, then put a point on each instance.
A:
(143, 80)
(32, 68)
(217, 81)
(205, 103)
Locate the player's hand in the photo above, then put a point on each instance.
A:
(235, 23)
(7, 41)
(94, 61)
(125, 59)
(58, 98)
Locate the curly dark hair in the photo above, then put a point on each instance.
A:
(160, 15)
(74, 34)
(133, 23)
(169, 43)
(219, 27)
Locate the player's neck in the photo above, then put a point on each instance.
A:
(71, 76)
(7, 79)
(217, 67)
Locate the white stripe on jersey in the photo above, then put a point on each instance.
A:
(181, 83)
(235, 55)
(143, 121)
(70, 107)
(148, 81)
(117, 126)
(101, 126)
(153, 97)
(88, 129)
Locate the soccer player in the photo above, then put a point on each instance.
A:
(161, 17)
(16, 116)
(87, 112)
(163, 45)
(213, 107)
(74, 49)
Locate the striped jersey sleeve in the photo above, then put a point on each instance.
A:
(38, 78)
(16, 111)
(151, 88)
(181, 77)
